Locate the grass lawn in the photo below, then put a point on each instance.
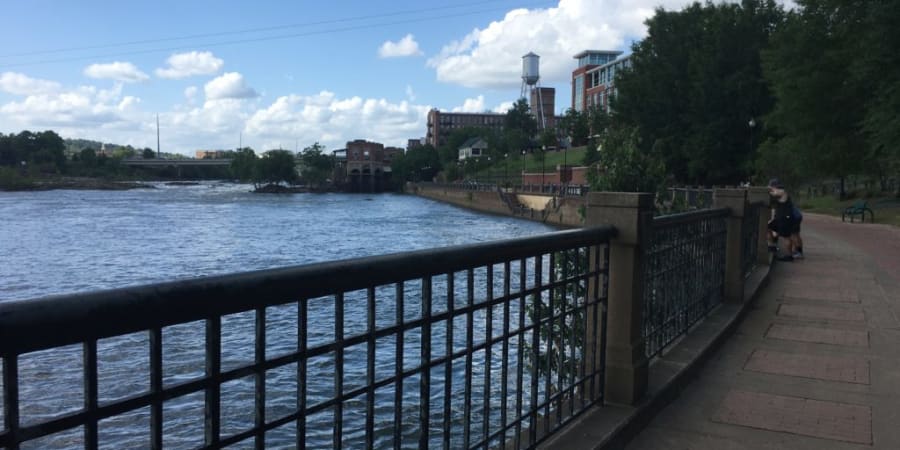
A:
(512, 168)
(886, 208)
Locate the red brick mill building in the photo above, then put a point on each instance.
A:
(367, 166)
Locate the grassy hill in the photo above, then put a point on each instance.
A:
(512, 167)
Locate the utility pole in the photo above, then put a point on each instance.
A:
(157, 137)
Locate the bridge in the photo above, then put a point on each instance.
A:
(175, 162)
(574, 339)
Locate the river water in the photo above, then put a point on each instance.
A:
(57, 242)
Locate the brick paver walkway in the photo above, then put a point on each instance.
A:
(814, 365)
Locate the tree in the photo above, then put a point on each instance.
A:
(879, 67)
(243, 164)
(519, 117)
(148, 153)
(317, 166)
(694, 83)
(624, 167)
(88, 157)
(276, 166)
(576, 126)
(417, 164)
(819, 112)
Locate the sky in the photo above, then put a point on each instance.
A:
(287, 74)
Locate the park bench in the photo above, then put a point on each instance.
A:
(859, 208)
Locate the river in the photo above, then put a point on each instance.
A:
(57, 242)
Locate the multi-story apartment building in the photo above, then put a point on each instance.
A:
(602, 82)
(593, 79)
(441, 124)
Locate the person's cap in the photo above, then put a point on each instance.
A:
(775, 183)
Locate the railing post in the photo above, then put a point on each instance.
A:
(758, 197)
(626, 361)
(736, 199)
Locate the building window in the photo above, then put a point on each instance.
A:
(579, 93)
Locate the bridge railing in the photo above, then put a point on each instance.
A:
(472, 346)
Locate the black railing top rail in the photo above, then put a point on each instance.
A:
(37, 324)
(690, 216)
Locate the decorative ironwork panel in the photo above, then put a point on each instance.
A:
(488, 345)
(684, 274)
(750, 239)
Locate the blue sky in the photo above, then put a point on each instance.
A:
(286, 73)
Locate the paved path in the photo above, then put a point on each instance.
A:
(814, 365)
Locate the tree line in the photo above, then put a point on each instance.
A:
(724, 93)
(312, 166)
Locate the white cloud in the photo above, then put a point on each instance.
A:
(410, 94)
(111, 115)
(333, 121)
(21, 84)
(229, 85)
(129, 102)
(503, 107)
(404, 47)
(119, 71)
(471, 105)
(183, 65)
(86, 107)
(492, 56)
(190, 93)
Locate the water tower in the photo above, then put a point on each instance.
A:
(531, 85)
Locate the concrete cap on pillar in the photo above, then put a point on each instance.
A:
(642, 200)
(627, 211)
(758, 194)
(735, 199)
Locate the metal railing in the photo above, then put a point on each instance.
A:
(750, 238)
(566, 190)
(486, 345)
(691, 198)
(684, 273)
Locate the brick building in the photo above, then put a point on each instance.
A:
(369, 165)
(441, 124)
(592, 80)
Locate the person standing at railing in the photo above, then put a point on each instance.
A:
(783, 222)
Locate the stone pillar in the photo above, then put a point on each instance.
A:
(626, 363)
(758, 197)
(736, 199)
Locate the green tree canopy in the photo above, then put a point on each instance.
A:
(695, 82)
(243, 164)
(835, 71)
(624, 167)
(317, 166)
(576, 126)
(276, 166)
(519, 118)
(417, 164)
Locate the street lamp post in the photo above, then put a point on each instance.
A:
(543, 158)
(752, 125)
(523, 168)
(506, 168)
